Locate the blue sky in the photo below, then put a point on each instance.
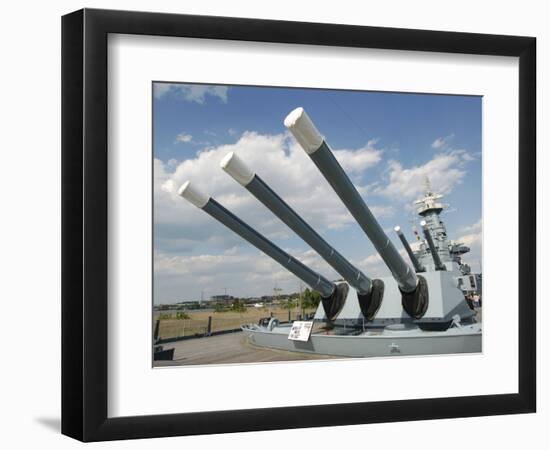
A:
(387, 142)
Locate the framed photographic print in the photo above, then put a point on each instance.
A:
(271, 215)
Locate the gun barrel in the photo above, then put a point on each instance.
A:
(213, 208)
(303, 129)
(235, 167)
(418, 267)
(435, 255)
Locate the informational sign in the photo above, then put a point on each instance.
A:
(300, 331)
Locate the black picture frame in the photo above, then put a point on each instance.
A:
(84, 224)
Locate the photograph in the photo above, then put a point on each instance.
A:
(237, 225)
(296, 224)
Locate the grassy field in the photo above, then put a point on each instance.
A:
(198, 320)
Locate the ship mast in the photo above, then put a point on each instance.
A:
(429, 208)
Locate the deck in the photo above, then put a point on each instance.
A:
(228, 349)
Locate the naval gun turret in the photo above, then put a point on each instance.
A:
(428, 296)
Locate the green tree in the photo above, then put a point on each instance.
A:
(238, 305)
(289, 303)
(311, 299)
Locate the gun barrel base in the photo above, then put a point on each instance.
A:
(416, 303)
(335, 302)
(370, 303)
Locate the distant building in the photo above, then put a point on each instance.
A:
(221, 298)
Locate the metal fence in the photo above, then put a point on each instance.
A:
(172, 327)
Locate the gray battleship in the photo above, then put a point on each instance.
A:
(420, 309)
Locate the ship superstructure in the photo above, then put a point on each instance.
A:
(429, 208)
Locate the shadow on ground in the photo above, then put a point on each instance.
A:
(53, 423)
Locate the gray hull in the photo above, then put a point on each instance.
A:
(466, 339)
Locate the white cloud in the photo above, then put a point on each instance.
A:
(375, 267)
(474, 228)
(160, 89)
(190, 92)
(438, 143)
(445, 171)
(357, 161)
(372, 265)
(442, 142)
(184, 137)
(243, 274)
(472, 237)
(382, 211)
